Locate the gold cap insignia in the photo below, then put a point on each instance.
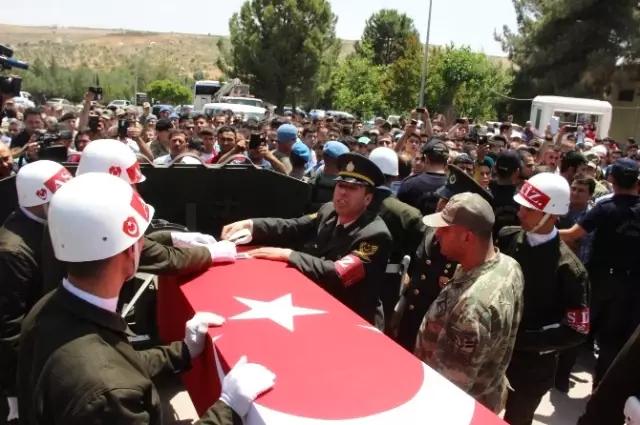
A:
(452, 179)
(350, 167)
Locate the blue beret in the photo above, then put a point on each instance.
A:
(165, 109)
(287, 133)
(301, 150)
(334, 149)
(174, 116)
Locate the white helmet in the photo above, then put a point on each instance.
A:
(38, 181)
(113, 157)
(546, 192)
(386, 159)
(96, 216)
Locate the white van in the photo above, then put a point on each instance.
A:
(571, 111)
(247, 110)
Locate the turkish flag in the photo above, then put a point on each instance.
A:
(330, 365)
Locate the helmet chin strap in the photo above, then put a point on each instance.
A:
(541, 223)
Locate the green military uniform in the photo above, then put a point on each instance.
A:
(20, 289)
(405, 225)
(158, 256)
(470, 330)
(430, 270)
(77, 367)
(347, 261)
(322, 186)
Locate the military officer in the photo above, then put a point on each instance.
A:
(556, 287)
(75, 363)
(343, 247)
(404, 223)
(430, 270)
(20, 272)
(163, 253)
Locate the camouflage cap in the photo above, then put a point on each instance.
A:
(468, 210)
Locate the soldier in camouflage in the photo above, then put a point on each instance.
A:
(469, 332)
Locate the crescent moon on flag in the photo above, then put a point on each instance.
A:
(437, 401)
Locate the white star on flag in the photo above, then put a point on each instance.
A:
(281, 311)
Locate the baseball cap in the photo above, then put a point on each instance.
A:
(287, 133)
(468, 210)
(625, 167)
(146, 105)
(435, 145)
(334, 149)
(301, 150)
(364, 141)
(508, 161)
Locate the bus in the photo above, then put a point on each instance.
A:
(203, 92)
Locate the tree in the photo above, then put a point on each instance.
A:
(356, 86)
(461, 82)
(169, 91)
(278, 46)
(568, 47)
(388, 34)
(401, 79)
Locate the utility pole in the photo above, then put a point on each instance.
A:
(424, 59)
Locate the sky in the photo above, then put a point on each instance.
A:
(463, 22)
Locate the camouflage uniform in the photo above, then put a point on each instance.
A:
(469, 331)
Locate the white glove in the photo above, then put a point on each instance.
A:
(223, 252)
(244, 383)
(13, 408)
(195, 334)
(183, 239)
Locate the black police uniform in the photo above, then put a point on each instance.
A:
(430, 270)
(614, 269)
(419, 190)
(347, 261)
(405, 225)
(322, 186)
(555, 317)
(504, 207)
(20, 289)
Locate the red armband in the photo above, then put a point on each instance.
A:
(350, 269)
(578, 320)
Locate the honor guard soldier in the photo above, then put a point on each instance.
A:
(163, 253)
(614, 266)
(343, 247)
(556, 289)
(20, 270)
(503, 188)
(75, 364)
(430, 270)
(404, 223)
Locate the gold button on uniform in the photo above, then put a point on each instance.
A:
(422, 277)
(448, 266)
(315, 245)
(428, 262)
(411, 307)
(416, 292)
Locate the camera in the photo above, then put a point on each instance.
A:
(10, 84)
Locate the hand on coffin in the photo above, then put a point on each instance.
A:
(268, 253)
(195, 334)
(185, 239)
(230, 229)
(244, 383)
(223, 252)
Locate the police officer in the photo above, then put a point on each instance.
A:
(503, 188)
(419, 190)
(75, 363)
(324, 181)
(556, 286)
(429, 270)
(404, 223)
(614, 266)
(343, 247)
(163, 252)
(20, 271)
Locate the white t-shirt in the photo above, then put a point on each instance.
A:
(166, 159)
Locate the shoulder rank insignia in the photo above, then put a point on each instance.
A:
(313, 216)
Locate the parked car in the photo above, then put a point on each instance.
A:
(119, 104)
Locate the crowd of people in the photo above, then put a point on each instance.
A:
(492, 255)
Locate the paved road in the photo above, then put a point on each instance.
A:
(556, 408)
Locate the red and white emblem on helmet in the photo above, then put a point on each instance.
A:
(57, 180)
(115, 171)
(134, 173)
(139, 206)
(130, 227)
(534, 196)
(42, 193)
